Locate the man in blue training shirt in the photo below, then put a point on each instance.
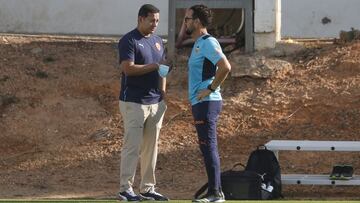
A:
(208, 68)
(141, 104)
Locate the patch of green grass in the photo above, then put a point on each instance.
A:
(179, 201)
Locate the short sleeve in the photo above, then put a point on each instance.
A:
(126, 49)
(212, 50)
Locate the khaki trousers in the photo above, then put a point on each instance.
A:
(142, 124)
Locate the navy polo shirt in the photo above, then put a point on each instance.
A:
(143, 89)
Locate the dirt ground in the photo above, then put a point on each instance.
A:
(61, 131)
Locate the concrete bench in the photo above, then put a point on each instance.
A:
(307, 145)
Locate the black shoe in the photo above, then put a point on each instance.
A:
(336, 172)
(347, 172)
(154, 196)
(129, 195)
(217, 197)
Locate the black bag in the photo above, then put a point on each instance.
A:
(264, 162)
(238, 185)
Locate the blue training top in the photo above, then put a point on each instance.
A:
(143, 89)
(202, 67)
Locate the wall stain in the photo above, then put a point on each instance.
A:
(325, 20)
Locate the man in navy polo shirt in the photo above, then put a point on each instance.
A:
(141, 104)
(208, 68)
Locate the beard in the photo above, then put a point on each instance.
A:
(189, 31)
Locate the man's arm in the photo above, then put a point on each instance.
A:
(223, 70)
(182, 36)
(131, 69)
(163, 86)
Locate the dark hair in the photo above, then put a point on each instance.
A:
(203, 13)
(146, 9)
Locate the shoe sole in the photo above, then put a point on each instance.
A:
(143, 198)
(340, 177)
(346, 177)
(333, 177)
(217, 201)
(124, 199)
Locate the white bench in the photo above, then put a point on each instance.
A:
(306, 145)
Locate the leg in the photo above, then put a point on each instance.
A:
(149, 147)
(205, 116)
(133, 116)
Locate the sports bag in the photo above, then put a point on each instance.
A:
(238, 185)
(264, 162)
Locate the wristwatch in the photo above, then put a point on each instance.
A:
(209, 88)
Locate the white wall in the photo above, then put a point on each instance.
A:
(264, 16)
(266, 23)
(300, 18)
(303, 18)
(109, 17)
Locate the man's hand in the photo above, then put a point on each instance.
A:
(203, 93)
(168, 62)
(129, 68)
